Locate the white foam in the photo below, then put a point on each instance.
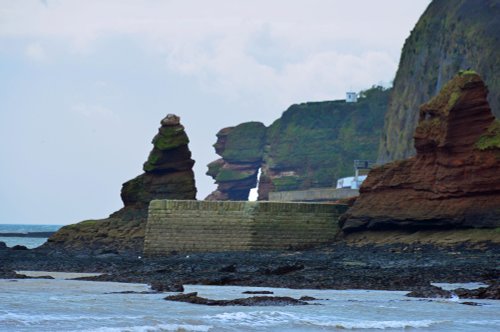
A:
(255, 318)
(494, 322)
(274, 318)
(153, 328)
(452, 286)
(378, 325)
(30, 319)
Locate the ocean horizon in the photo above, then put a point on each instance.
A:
(28, 242)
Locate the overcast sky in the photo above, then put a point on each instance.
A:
(85, 83)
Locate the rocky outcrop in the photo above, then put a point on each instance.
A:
(167, 174)
(453, 181)
(449, 36)
(241, 149)
(193, 298)
(310, 146)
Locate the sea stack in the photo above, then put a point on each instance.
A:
(452, 182)
(241, 149)
(167, 174)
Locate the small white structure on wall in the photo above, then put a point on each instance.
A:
(351, 182)
(351, 97)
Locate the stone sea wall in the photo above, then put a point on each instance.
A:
(202, 226)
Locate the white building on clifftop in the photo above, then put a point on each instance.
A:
(351, 97)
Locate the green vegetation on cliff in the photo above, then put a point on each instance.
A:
(315, 143)
(490, 140)
(449, 36)
(245, 142)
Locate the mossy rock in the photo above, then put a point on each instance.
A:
(231, 175)
(215, 167)
(491, 139)
(163, 143)
(286, 183)
(245, 143)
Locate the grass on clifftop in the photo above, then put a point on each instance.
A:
(245, 143)
(319, 141)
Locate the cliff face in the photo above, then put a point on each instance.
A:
(450, 36)
(310, 146)
(241, 149)
(167, 175)
(313, 144)
(454, 180)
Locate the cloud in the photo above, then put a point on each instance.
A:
(236, 48)
(35, 52)
(92, 111)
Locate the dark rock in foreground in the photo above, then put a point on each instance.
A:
(19, 247)
(336, 266)
(167, 174)
(166, 287)
(250, 301)
(258, 292)
(491, 292)
(454, 180)
(430, 291)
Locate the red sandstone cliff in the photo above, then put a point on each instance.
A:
(453, 181)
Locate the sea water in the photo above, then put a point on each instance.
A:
(69, 305)
(29, 242)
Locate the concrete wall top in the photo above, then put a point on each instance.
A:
(313, 195)
(260, 206)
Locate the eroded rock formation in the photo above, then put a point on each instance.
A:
(453, 181)
(309, 146)
(241, 149)
(167, 174)
(448, 37)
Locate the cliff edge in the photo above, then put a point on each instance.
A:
(449, 36)
(452, 182)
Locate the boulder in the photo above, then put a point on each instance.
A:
(19, 247)
(491, 292)
(430, 291)
(452, 182)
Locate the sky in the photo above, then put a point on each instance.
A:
(85, 83)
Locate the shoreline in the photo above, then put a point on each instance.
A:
(336, 266)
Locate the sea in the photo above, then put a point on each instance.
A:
(29, 242)
(62, 304)
(70, 305)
